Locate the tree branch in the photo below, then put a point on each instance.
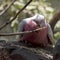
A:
(5, 10)
(54, 20)
(20, 33)
(8, 22)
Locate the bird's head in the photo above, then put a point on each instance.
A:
(40, 19)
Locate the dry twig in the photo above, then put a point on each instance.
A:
(19, 33)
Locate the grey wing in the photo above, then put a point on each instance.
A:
(50, 33)
(21, 26)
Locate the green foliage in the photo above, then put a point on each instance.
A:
(18, 5)
(36, 6)
(57, 25)
(57, 35)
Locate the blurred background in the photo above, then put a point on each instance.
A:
(45, 7)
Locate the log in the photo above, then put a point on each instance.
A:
(20, 51)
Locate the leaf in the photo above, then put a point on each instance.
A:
(18, 5)
(31, 7)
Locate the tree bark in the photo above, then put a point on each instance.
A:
(54, 20)
(19, 51)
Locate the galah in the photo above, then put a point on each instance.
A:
(42, 37)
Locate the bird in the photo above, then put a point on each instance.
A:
(43, 37)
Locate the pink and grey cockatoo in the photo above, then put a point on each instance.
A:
(42, 37)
